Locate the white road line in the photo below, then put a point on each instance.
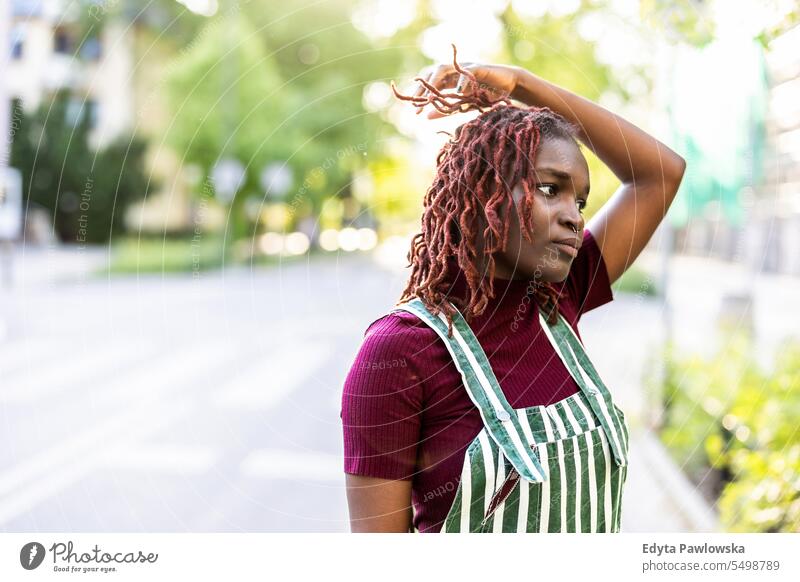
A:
(184, 367)
(23, 353)
(283, 464)
(82, 366)
(51, 481)
(162, 458)
(267, 382)
(152, 392)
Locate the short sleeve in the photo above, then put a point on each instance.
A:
(588, 283)
(382, 403)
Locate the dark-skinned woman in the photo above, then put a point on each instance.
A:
(498, 421)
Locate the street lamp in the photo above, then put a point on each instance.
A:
(10, 217)
(228, 175)
(276, 179)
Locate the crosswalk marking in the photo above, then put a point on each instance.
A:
(26, 353)
(163, 458)
(144, 400)
(46, 475)
(49, 378)
(268, 381)
(149, 399)
(293, 465)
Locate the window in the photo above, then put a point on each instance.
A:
(90, 49)
(62, 42)
(80, 109)
(17, 42)
(93, 112)
(74, 111)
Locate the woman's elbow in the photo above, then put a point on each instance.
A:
(677, 168)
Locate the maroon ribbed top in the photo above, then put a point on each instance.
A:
(405, 411)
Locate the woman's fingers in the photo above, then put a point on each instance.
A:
(462, 83)
(442, 78)
(465, 85)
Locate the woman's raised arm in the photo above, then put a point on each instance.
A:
(650, 172)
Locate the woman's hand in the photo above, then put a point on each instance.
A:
(500, 80)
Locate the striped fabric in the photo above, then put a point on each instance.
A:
(483, 389)
(571, 352)
(556, 468)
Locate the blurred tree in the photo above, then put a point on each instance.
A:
(680, 21)
(171, 21)
(267, 84)
(692, 22)
(732, 427)
(87, 192)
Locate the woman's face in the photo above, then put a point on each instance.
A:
(560, 189)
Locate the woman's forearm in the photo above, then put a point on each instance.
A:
(629, 152)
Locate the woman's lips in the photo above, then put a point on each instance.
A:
(567, 249)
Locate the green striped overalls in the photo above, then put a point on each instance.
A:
(555, 468)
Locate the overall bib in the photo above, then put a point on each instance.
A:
(555, 468)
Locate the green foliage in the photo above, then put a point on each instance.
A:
(266, 83)
(131, 255)
(789, 21)
(224, 97)
(539, 46)
(685, 21)
(87, 192)
(728, 415)
(198, 255)
(170, 20)
(637, 282)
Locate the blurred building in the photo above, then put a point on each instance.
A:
(50, 52)
(777, 211)
(736, 115)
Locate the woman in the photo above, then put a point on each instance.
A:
(472, 405)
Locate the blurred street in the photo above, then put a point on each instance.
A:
(167, 403)
(178, 404)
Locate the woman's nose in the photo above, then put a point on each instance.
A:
(571, 218)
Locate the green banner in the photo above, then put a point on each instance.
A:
(717, 110)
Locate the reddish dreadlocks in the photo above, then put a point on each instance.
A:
(476, 171)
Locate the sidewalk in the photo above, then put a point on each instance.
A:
(621, 337)
(625, 339)
(47, 265)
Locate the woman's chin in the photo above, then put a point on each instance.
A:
(556, 276)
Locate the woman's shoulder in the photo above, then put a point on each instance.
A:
(398, 331)
(392, 358)
(397, 320)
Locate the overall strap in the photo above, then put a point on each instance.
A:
(499, 418)
(571, 351)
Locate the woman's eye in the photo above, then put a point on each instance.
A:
(549, 189)
(581, 205)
